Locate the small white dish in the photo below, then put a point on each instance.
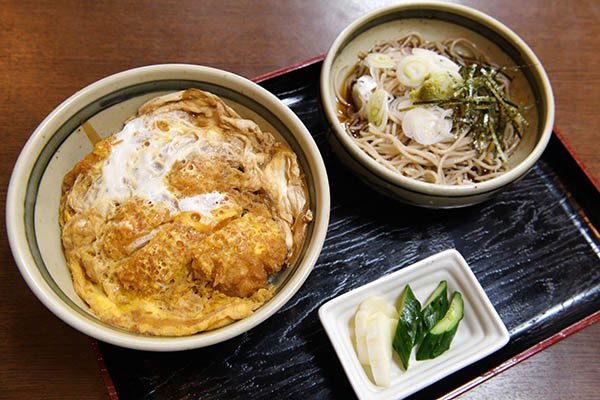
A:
(480, 333)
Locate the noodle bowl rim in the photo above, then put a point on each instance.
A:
(545, 99)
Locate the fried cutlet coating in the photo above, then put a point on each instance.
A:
(204, 174)
(132, 223)
(160, 267)
(238, 259)
(154, 267)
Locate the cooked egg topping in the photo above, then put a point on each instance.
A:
(143, 154)
(175, 224)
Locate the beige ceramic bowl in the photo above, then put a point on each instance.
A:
(437, 21)
(60, 141)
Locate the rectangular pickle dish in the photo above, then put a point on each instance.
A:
(481, 332)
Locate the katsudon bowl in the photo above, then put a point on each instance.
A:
(99, 110)
(435, 22)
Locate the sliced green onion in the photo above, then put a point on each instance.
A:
(377, 108)
(413, 70)
(380, 60)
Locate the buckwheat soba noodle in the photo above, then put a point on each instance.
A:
(440, 112)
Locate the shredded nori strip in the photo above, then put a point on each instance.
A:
(482, 107)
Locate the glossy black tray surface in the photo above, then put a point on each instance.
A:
(534, 249)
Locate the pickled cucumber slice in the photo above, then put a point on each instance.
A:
(439, 338)
(433, 309)
(409, 310)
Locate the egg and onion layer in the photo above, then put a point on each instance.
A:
(174, 225)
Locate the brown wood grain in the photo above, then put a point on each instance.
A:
(49, 50)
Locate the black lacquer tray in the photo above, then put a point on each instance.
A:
(534, 249)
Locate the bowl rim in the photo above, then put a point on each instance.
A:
(15, 207)
(430, 189)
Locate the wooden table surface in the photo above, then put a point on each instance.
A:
(49, 50)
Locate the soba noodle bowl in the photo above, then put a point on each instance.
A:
(439, 112)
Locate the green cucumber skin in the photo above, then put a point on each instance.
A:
(434, 311)
(435, 344)
(408, 325)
